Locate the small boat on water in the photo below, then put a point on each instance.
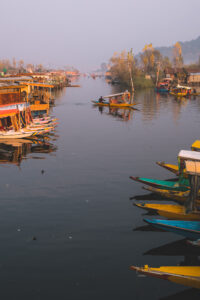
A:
(177, 196)
(170, 211)
(180, 185)
(188, 229)
(163, 86)
(188, 276)
(120, 100)
(181, 91)
(11, 134)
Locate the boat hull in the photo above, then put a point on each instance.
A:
(170, 211)
(188, 229)
(15, 136)
(170, 167)
(187, 276)
(164, 184)
(121, 105)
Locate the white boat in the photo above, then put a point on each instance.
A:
(11, 134)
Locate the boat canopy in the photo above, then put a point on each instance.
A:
(192, 167)
(183, 87)
(189, 155)
(116, 95)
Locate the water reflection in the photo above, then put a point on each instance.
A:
(186, 294)
(177, 248)
(15, 150)
(117, 113)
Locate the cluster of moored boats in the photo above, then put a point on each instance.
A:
(182, 217)
(17, 122)
(165, 86)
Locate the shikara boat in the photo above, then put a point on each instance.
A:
(175, 168)
(120, 100)
(170, 211)
(188, 276)
(11, 134)
(181, 91)
(172, 195)
(170, 167)
(181, 185)
(188, 229)
(196, 146)
(164, 86)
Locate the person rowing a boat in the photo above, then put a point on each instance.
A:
(101, 100)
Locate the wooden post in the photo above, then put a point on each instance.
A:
(132, 86)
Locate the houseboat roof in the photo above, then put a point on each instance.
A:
(3, 79)
(5, 86)
(189, 155)
(8, 113)
(39, 84)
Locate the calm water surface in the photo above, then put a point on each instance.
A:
(68, 229)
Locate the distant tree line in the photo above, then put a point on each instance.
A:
(13, 67)
(145, 68)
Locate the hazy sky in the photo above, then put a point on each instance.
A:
(85, 33)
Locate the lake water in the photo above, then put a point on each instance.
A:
(68, 229)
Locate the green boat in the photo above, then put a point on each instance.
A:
(180, 185)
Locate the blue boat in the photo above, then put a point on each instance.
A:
(188, 229)
(161, 90)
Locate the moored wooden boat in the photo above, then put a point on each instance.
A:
(175, 168)
(181, 185)
(15, 134)
(188, 229)
(183, 182)
(170, 167)
(170, 211)
(177, 196)
(188, 276)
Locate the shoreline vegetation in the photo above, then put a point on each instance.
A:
(147, 68)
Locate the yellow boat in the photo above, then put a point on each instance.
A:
(196, 146)
(173, 195)
(172, 168)
(188, 276)
(118, 105)
(120, 100)
(170, 211)
(181, 91)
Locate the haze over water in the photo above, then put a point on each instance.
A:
(86, 33)
(68, 227)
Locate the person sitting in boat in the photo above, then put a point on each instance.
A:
(101, 100)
